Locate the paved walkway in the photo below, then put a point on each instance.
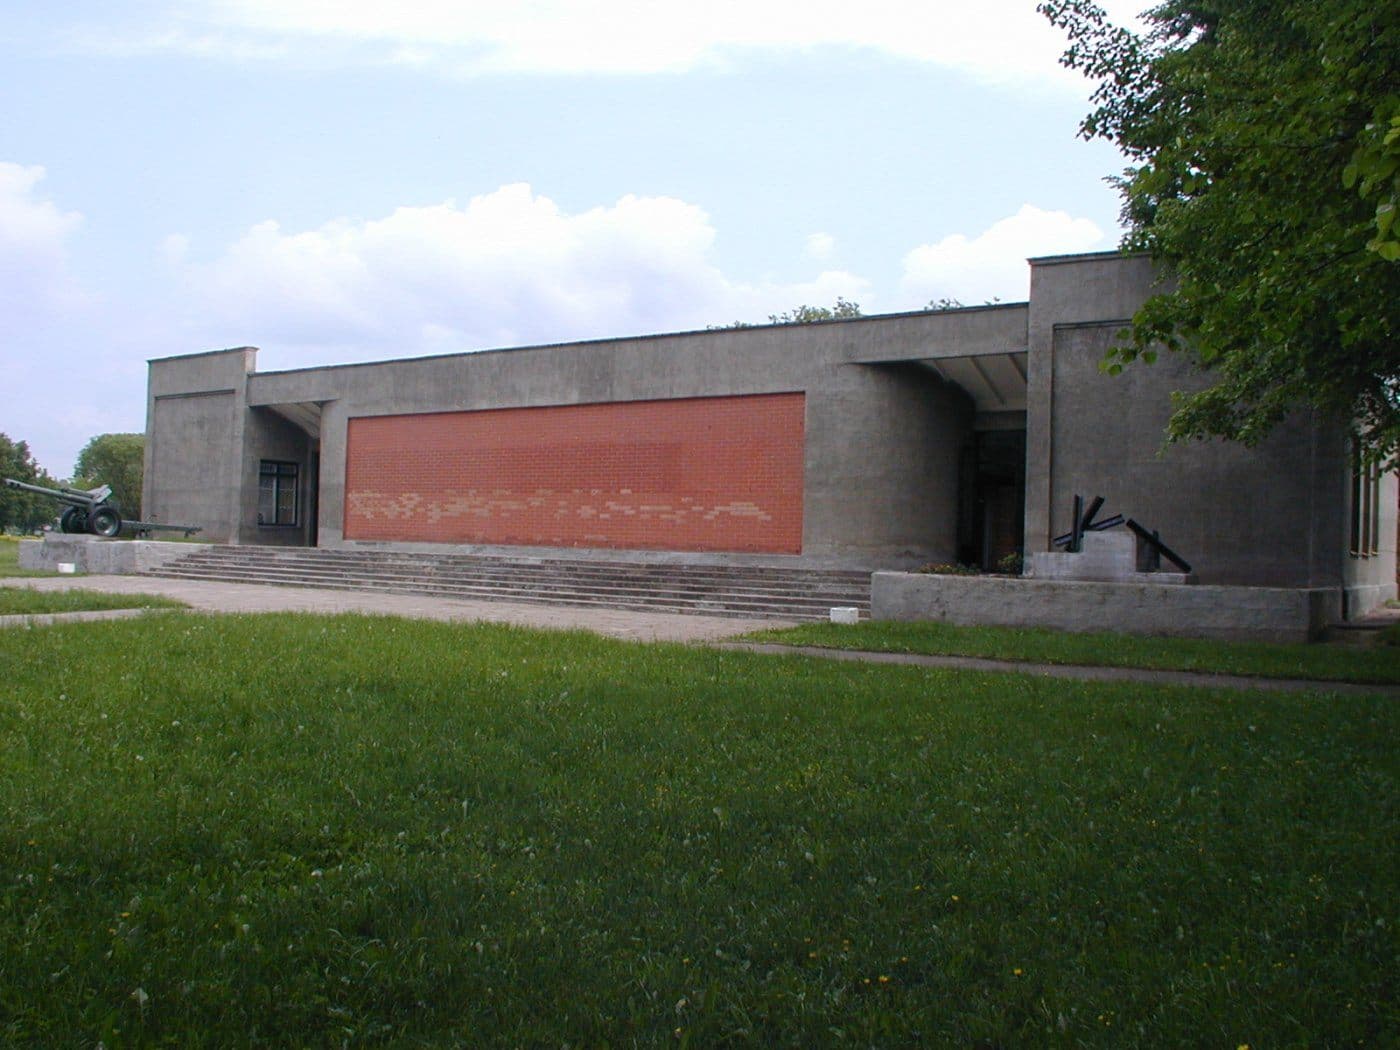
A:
(215, 596)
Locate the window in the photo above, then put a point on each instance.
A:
(277, 493)
(1365, 505)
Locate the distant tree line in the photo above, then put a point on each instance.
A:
(22, 511)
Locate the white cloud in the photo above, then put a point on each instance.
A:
(37, 290)
(33, 236)
(65, 376)
(993, 40)
(507, 268)
(993, 263)
(820, 246)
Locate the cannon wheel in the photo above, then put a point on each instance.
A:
(73, 520)
(105, 521)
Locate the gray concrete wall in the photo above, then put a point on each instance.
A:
(195, 419)
(882, 466)
(93, 554)
(1265, 614)
(1264, 516)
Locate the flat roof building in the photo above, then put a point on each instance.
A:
(876, 442)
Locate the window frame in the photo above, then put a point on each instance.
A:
(1365, 505)
(286, 480)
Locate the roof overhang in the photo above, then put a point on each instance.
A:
(995, 382)
(305, 415)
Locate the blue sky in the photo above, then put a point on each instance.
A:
(339, 181)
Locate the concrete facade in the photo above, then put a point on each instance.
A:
(926, 437)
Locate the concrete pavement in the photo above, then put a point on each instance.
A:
(212, 596)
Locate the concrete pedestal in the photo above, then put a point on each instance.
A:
(1110, 556)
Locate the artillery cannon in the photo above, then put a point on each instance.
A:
(92, 510)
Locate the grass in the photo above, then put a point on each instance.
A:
(1341, 663)
(26, 601)
(316, 831)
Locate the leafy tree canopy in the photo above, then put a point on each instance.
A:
(842, 311)
(116, 460)
(19, 510)
(1264, 144)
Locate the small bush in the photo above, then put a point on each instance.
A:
(949, 569)
(1010, 564)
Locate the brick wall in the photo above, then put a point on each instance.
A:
(696, 474)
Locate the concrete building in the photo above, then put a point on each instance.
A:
(879, 442)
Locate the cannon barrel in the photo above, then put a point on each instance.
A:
(88, 499)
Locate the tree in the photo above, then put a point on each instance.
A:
(21, 510)
(1262, 140)
(117, 460)
(844, 310)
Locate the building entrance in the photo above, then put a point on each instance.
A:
(992, 498)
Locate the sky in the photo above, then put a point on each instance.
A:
(338, 180)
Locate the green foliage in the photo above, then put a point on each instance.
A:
(946, 568)
(1262, 138)
(1011, 564)
(1375, 172)
(116, 460)
(842, 311)
(342, 831)
(1339, 663)
(23, 511)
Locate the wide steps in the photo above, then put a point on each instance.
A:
(724, 590)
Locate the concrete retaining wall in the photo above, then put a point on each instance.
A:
(92, 554)
(1266, 614)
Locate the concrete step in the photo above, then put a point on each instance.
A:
(751, 591)
(557, 590)
(541, 577)
(510, 569)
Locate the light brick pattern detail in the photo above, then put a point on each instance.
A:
(692, 474)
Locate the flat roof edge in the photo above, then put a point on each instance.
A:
(650, 337)
(1053, 260)
(201, 353)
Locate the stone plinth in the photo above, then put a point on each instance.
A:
(93, 554)
(1111, 556)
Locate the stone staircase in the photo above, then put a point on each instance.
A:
(712, 590)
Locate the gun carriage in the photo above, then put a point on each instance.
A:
(94, 511)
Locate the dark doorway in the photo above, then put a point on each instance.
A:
(313, 489)
(992, 497)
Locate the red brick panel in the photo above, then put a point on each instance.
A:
(694, 474)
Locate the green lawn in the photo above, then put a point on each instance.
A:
(23, 600)
(316, 831)
(1341, 663)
